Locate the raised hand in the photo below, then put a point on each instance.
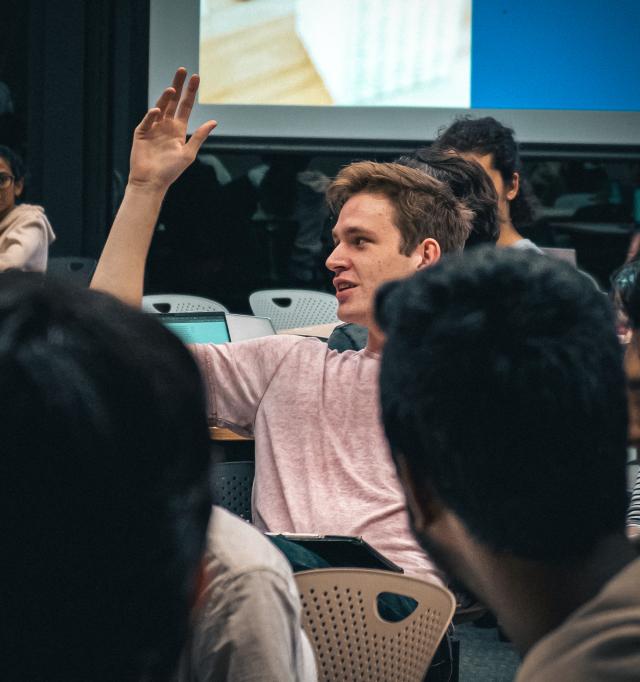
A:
(160, 152)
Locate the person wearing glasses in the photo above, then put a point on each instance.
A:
(25, 231)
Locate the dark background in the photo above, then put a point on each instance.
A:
(78, 75)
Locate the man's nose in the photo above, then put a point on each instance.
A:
(337, 261)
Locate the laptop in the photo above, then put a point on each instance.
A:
(216, 327)
(340, 551)
(242, 327)
(197, 327)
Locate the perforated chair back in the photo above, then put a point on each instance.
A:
(291, 308)
(232, 483)
(72, 269)
(180, 303)
(350, 639)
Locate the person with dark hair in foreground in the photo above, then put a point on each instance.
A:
(470, 184)
(503, 399)
(493, 146)
(104, 486)
(25, 231)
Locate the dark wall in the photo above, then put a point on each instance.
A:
(78, 73)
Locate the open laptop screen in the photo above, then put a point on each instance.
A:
(197, 327)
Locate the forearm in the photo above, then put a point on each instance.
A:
(120, 270)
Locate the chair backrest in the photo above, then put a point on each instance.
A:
(232, 483)
(291, 308)
(180, 303)
(76, 270)
(351, 640)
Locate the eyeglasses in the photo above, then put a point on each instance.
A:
(5, 180)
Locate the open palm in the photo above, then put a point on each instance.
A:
(160, 152)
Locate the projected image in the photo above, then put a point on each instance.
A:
(336, 52)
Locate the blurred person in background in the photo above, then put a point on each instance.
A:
(625, 293)
(493, 146)
(25, 231)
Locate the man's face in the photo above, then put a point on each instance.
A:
(505, 192)
(366, 254)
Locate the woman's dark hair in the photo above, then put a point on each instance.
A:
(469, 183)
(15, 162)
(488, 136)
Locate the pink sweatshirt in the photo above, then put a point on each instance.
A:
(322, 461)
(25, 235)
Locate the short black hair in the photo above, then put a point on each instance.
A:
(488, 136)
(15, 162)
(469, 183)
(103, 482)
(625, 291)
(502, 385)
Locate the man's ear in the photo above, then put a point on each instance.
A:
(513, 190)
(429, 253)
(18, 186)
(423, 504)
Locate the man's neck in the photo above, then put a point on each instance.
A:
(508, 234)
(531, 599)
(375, 339)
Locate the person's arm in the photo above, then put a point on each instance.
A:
(159, 154)
(25, 247)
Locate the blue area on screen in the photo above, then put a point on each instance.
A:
(556, 54)
(199, 331)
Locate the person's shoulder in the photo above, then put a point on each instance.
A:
(25, 213)
(600, 641)
(237, 547)
(526, 245)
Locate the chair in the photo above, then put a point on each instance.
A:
(232, 483)
(350, 639)
(76, 270)
(291, 308)
(180, 303)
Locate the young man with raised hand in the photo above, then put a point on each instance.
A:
(503, 397)
(322, 461)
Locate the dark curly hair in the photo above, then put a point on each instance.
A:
(469, 183)
(15, 162)
(488, 136)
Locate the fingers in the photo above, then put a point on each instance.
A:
(164, 99)
(199, 136)
(178, 82)
(149, 119)
(189, 97)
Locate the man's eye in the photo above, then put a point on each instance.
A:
(360, 241)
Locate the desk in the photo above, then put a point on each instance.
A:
(322, 331)
(218, 433)
(594, 228)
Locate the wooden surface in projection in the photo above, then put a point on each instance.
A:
(264, 64)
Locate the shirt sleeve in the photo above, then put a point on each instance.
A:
(237, 375)
(249, 631)
(633, 516)
(22, 243)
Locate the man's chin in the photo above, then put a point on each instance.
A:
(351, 316)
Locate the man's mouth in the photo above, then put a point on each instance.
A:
(344, 285)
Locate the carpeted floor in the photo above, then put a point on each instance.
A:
(483, 657)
